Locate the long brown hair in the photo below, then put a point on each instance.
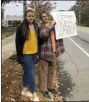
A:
(26, 29)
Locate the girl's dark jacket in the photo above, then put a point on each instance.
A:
(20, 39)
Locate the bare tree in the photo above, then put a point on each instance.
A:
(39, 6)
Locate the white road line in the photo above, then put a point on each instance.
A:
(79, 47)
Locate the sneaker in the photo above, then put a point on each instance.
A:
(46, 94)
(35, 99)
(53, 91)
(26, 94)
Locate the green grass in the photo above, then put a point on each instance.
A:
(84, 25)
(7, 31)
(6, 34)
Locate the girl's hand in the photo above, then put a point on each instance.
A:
(53, 22)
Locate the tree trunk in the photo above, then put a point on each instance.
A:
(24, 7)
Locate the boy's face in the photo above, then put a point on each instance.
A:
(45, 18)
(30, 17)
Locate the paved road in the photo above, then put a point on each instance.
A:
(76, 65)
(83, 33)
(83, 36)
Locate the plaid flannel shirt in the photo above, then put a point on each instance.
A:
(45, 45)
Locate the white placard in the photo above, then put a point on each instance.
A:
(65, 24)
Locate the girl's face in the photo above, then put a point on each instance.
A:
(30, 17)
(44, 17)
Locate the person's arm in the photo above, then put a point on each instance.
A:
(17, 40)
(17, 43)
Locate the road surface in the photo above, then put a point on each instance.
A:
(74, 71)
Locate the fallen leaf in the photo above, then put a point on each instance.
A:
(57, 85)
(58, 92)
(6, 75)
(6, 98)
(68, 89)
(11, 91)
(12, 99)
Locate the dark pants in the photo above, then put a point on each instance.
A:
(29, 71)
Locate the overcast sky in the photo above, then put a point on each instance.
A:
(12, 9)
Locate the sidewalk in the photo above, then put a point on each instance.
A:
(8, 47)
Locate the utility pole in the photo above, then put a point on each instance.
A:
(55, 5)
(80, 12)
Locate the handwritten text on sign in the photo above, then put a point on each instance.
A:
(65, 24)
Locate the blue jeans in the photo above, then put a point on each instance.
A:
(29, 71)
